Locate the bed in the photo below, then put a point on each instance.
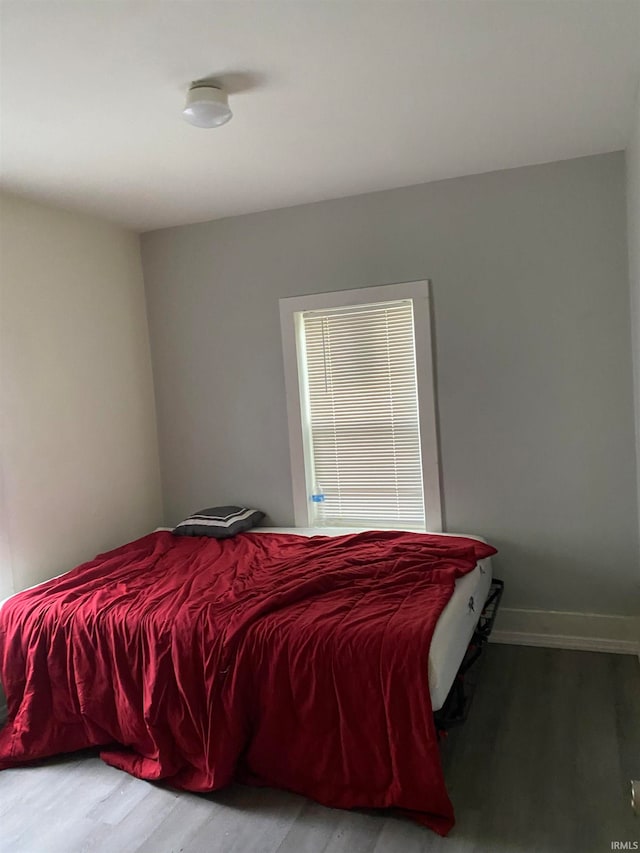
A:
(280, 658)
(456, 623)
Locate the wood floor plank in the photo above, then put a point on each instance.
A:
(171, 832)
(245, 820)
(400, 834)
(626, 687)
(56, 812)
(311, 830)
(355, 833)
(120, 801)
(82, 781)
(61, 836)
(137, 825)
(40, 783)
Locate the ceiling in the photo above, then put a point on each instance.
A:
(330, 98)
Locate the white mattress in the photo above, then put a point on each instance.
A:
(456, 623)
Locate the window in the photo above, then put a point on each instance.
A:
(361, 408)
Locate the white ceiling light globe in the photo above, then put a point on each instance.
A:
(206, 106)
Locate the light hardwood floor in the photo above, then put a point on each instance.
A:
(542, 765)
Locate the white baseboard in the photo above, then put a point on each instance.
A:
(592, 632)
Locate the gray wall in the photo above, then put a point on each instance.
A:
(633, 233)
(530, 284)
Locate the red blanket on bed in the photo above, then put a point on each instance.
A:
(275, 659)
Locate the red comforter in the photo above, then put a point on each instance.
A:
(275, 659)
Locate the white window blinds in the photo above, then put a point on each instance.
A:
(362, 426)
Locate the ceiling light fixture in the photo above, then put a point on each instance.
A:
(206, 106)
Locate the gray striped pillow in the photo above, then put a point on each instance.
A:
(219, 522)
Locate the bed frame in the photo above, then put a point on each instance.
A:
(456, 706)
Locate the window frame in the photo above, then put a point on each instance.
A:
(291, 309)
